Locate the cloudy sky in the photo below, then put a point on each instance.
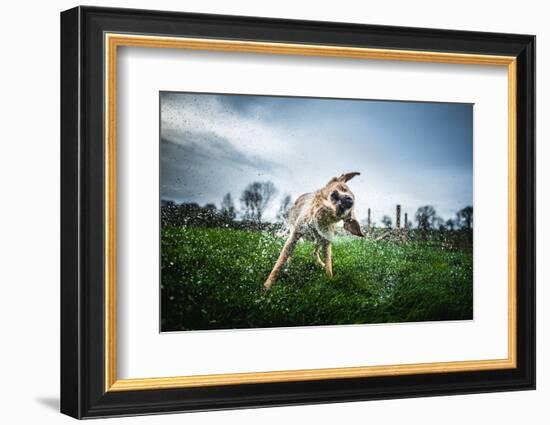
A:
(411, 153)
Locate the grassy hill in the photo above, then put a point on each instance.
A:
(211, 278)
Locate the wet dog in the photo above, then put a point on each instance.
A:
(314, 217)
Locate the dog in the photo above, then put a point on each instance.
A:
(314, 217)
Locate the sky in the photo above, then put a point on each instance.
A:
(408, 153)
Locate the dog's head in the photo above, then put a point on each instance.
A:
(342, 200)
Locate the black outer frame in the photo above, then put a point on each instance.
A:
(82, 212)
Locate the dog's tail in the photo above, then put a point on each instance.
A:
(383, 236)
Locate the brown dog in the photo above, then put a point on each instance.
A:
(314, 216)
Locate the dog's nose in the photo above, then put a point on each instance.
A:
(347, 201)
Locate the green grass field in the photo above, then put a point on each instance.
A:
(212, 279)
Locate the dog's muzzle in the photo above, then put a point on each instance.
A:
(344, 204)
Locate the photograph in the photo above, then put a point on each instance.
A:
(281, 211)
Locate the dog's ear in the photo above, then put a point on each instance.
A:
(348, 176)
(352, 226)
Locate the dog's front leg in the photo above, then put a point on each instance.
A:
(327, 247)
(286, 252)
(317, 256)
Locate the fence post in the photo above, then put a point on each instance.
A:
(398, 217)
(368, 221)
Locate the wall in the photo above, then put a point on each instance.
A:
(29, 170)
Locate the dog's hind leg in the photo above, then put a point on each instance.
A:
(286, 252)
(327, 247)
(317, 256)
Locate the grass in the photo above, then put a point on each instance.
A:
(212, 279)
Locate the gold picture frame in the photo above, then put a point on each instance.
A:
(114, 41)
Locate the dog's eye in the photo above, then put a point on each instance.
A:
(334, 194)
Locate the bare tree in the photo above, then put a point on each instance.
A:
(439, 223)
(465, 218)
(227, 207)
(426, 218)
(255, 198)
(450, 224)
(286, 203)
(386, 221)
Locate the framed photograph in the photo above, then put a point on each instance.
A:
(261, 212)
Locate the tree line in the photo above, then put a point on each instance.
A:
(259, 195)
(254, 200)
(426, 219)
